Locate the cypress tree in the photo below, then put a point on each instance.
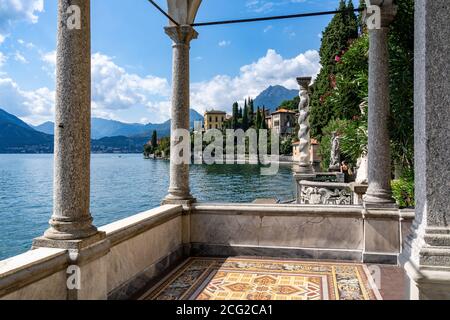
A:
(245, 120)
(258, 119)
(251, 111)
(234, 120)
(154, 139)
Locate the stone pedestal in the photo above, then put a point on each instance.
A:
(359, 190)
(179, 192)
(426, 254)
(379, 194)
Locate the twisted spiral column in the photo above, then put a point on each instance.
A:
(304, 131)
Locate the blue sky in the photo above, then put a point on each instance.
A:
(132, 55)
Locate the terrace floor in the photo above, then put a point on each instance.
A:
(253, 278)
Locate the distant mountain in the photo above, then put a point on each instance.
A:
(47, 127)
(17, 136)
(6, 117)
(102, 128)
(273, 96)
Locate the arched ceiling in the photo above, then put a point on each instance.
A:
(183, 11)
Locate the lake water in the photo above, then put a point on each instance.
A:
(121, 186)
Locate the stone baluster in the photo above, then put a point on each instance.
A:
(179, 191)
(379, 192)
(426, 255)
(304, 166)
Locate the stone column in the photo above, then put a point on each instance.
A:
(379, 192)
(305, 166)
(71, 217)
(179, 191)
(426, 255)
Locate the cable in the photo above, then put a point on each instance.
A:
(291, 16)
(163, 12)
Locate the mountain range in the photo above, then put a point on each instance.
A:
(16, 136)
(102, 128)
(273, 96)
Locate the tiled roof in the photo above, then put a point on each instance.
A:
(284, 111)
(215, 112)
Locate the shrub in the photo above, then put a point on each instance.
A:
(403, 192)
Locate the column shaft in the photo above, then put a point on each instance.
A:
(179, 172)
(379, 193)
(71, 216)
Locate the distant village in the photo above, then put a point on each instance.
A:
(283, 121)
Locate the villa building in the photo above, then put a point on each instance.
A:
(282, 121)
(214, 119)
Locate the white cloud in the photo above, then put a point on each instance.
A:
(20, 58)
(268, 28)
(2, 38)
(272, 69)
(224, 43)
(19, 10)
(31, 106)
(264, 6)
(114, 89)
(28, 45)
(2, 59)
(49, 58)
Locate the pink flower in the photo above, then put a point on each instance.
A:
(337, 59)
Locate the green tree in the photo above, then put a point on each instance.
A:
(245, 119)
(235, 116)
(251, 111)
(259, 119)
(154, 139)
(335, 40)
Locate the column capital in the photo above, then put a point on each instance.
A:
(181, 35)
(304, 82)
(385, 8)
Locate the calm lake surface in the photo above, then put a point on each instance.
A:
(121, 186)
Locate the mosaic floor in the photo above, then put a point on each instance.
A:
(263, 279)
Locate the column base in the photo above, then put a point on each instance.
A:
(425, 283)
(44, 242)
(379, 199)
(67, 229)
(179, 200)
(305, 169)
(426, 260)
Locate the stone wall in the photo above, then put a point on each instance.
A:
(141, 248)
(316, 232)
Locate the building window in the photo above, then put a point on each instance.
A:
(210, 127)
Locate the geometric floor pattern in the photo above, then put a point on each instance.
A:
(264, 279)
